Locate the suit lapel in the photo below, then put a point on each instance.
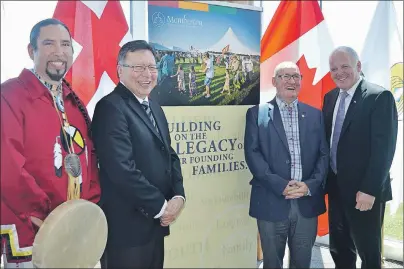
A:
(134, 104)
(159, 119)
(278, 124)
(330, 112)
(355, 104)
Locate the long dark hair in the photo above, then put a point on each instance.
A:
(81, 107)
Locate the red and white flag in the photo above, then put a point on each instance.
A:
(98, 29)
(298, 33)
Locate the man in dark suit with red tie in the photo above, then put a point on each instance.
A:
(141, 180)
(361, 127)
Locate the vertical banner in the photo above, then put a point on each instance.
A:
(209, 76)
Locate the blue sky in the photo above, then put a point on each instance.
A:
(245, 24)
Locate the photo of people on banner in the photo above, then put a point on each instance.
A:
(205, 57)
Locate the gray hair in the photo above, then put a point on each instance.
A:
(350, 51)
(284, 65)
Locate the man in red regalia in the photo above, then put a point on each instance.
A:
(47, 156)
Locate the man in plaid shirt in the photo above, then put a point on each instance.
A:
(287, 154)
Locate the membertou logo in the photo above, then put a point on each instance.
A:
(158, 19)
(184, 20)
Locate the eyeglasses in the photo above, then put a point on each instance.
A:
(287, 77)
(141, 68)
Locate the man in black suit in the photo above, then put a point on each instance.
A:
(141, 181)
(361, 128)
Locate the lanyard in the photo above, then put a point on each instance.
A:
(71, 160)
(59, 107)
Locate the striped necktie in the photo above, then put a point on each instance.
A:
(149, 113)
(339, 121)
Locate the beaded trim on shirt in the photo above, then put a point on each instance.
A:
(50, 87)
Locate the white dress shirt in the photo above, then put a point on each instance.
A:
(348, 100)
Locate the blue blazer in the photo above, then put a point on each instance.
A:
(268, 158)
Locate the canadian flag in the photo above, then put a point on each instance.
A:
(98, 29)
(298, 33)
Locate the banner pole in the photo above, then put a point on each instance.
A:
(382, 247)
(259, 249)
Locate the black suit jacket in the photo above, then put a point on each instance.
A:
(366, 145)
(138, 167)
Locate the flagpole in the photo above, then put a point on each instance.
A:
(131, 17)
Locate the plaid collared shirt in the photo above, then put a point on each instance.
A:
(290, 119)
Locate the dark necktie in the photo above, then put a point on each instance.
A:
(149, 113)
(339, 120)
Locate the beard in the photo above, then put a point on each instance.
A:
(58, 75)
